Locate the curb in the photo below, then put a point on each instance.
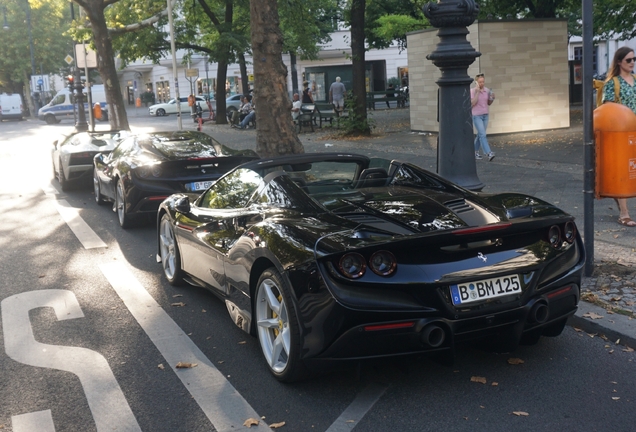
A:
(615, 327)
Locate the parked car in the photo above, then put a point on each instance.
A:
(330, 257)
(170, 107)
(72, 155)
(11, 107)
(233, 103)
(144, 169)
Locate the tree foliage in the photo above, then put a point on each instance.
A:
(49, 20)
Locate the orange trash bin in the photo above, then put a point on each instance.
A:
(97, 111)
(615, 135)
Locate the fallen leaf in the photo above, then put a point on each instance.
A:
(616, 299)
(203, 310)
(615, 398)
(577, 329)
(277, 425)
(184, 365)
(177, 295)
(478, 379)
(628, 349)
(350, 421)
(494, 383)
(515, 361)
(520, 413)
(41, 276)
(591, 334)
(242, 342)
(592, 315)
(160, 366)
(250, 422)
(611, 351)
(180, 304)
(221, 362)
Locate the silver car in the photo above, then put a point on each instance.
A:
(72, 155)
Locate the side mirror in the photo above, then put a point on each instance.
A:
(182, 205)
(99, 158)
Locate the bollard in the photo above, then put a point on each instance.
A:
(615, 136)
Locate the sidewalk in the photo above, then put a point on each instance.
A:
(545, 164)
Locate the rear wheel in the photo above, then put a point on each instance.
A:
(61, 178)
(125, 219)
(99, 198)
(277, 327)
(50, 119)
(169, 252)
(161, 112)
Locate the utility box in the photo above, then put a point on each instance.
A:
(615, 135)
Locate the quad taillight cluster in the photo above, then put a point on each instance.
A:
(353, 265)
(559, 233)
(146, 171)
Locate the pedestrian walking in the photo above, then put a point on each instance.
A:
(336, 94)
(621, 77)
(481, 97)
(390, 92)
(308, 98)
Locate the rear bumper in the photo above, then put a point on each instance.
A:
(435, 334)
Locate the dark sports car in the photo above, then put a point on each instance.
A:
(331, 257)
(145, 169)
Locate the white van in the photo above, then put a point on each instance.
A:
(61, 106)
(11, 106)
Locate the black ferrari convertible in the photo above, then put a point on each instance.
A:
(145, 169)
(332, 256)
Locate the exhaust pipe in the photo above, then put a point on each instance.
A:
(538, 313)
(433, 336)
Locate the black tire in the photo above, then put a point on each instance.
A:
(50, 119)
(99, 198)
(161, 112)
(125, 219)
(277, 327)
(169, 252)
(61, 178)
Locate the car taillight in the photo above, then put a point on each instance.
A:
(352, 265)
(82, 158)
(569, 232)
(383, 263)
(554, 236)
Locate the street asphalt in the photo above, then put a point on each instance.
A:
(546, 164)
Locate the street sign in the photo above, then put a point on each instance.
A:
(40, 83)
(68, 59)
(192, 73)
(88, 54)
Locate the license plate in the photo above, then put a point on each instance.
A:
(485, 289)
(199, 186)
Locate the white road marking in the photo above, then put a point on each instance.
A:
(40, 421)
(105, 399)
(222, 404)
(80, 228)
(361, 405)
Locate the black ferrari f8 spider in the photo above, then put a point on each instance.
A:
(329, 257)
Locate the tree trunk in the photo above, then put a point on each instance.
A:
(275, 132)
(294, 76)
(220, 95)
(117, 116)
(359, 123)
(27, 95)
(245, 85)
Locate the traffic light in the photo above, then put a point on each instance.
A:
(69, 82)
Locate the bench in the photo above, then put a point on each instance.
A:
(305, 118)
(327, 112)
(381, 97)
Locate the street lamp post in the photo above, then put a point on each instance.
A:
(28, 18)
(453, 55)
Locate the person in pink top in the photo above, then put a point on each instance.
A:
(480, 99)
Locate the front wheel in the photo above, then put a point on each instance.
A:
(161, 112)
(169, 252)
(277, 327)
(125, 219)
(50, 119)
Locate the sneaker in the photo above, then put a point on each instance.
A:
(233, 125)
(491, 156)
(477, 155)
